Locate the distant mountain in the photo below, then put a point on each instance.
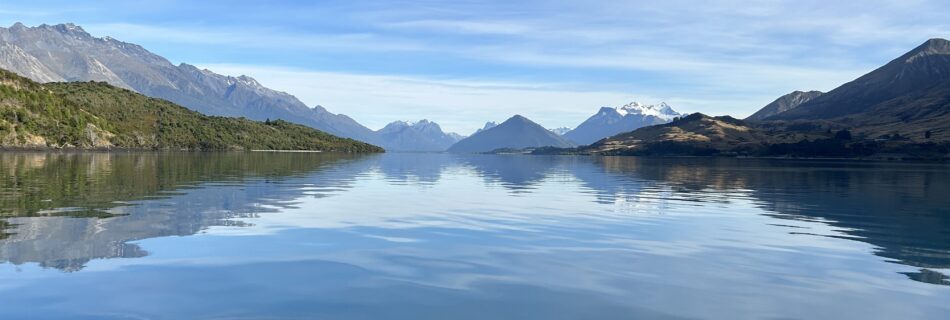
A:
(66, 52)
(516, 133)
(611, 121)
(560, 131)
(488, 125)
(423, 135)
(96, 115)
(908, 96)
(784, 103)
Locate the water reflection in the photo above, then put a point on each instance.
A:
(64, 210)
(67, 209)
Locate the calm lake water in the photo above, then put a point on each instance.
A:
(437, 236)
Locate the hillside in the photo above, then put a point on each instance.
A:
(702, 135)
(97, 115)
(66, 52)
(784, 103)
(696, 134)
(515, 133)
(908, 96)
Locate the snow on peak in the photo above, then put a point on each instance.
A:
(560, 131)
(662, 110)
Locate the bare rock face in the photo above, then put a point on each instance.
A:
(98, 138)
(66, 52)
(784, 103)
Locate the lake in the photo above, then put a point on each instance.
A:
(441, 236)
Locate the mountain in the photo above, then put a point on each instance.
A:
(908, 96)
(695, 134)
(784, 103)
(423, 135)
(97, 115)
(488, 125)
(560, 131)
(515, 133)
(610, 121)
(66, 52)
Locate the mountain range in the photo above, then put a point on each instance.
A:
(515, 133)
(66, 52)
(422, 135)
(611, 121)
(901, 109)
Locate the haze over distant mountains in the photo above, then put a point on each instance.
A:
(422, 135)
(515, 133)
(611, 121)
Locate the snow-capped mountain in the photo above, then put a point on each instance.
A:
(560, 131)
(423, 135)
(611, 121)
(66, 52)
(662, 110)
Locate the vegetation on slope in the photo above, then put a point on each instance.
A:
(93, 115)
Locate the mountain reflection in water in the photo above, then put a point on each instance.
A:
(65, 210)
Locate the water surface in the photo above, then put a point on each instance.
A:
(437, 236)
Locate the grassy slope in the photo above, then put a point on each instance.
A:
(97, 115)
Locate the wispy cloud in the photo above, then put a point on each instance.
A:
(465, 62)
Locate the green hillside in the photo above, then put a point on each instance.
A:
(93, 115)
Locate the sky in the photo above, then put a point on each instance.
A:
(462, 63)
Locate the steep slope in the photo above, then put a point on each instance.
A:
(784, 103)
(516, 133)
(423, 135)
(611, 121)
(923, 68)
(66, 52)
(98, 115)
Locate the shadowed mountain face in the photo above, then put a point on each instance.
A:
(784, 103)
(66, 52)
(516, 133)
(909, 95)
(423, 135)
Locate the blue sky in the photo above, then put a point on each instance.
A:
(461, 63)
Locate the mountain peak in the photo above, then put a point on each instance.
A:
(935, 46)
(66, 28)
(517, 118)
(662, 111)
(517, 132)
